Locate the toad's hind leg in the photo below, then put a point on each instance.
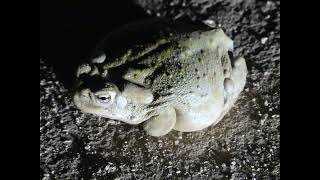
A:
(235, 84)
(239, 74)
(161, 124)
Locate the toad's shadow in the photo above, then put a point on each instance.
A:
(69, 30)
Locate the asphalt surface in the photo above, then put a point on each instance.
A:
(244, 145)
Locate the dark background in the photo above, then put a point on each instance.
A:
(244, 145)
(70, 29)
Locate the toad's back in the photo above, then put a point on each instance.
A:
(192, 78)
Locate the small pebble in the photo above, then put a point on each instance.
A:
(264, 40)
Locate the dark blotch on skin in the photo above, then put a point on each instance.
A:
(94, 83)
(231, 56)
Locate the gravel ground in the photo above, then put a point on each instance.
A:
(244, 145)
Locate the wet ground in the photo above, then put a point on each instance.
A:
(244, 145)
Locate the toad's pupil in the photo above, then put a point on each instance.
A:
(104, 98)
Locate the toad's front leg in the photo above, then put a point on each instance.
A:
(161, 124)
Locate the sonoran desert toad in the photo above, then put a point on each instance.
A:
(167, 75)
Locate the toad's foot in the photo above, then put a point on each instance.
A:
(161, 124)
(239, 75)
(235, 84)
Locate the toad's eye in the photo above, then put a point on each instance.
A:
(104, 99)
